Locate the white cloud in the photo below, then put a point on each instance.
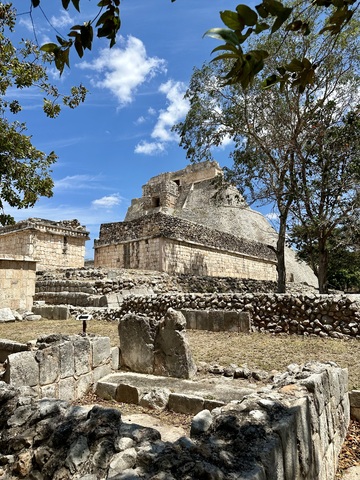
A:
(107, 202)
(272, 216)
(62, 20)
(123, 70)
(77, 182)
(150, 148)
(176, 110)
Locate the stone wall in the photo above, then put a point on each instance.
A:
(333, 316)
(57, 366)
(17, 282)
(292, 429)
(165, 243)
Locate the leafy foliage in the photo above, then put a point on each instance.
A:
(272, 131)
(327, 187)
(25, 172)
(270, 16)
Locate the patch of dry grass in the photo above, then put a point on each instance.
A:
(264, 351)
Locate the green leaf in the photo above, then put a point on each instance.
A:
(294, 26)
(224, 34)
(49, 47)
(65, 3)
(262, 11)
(35, 3)
(76, 4)
(295, 65)
(232, 20)
(260, 27)
(231, 48)
(248, 15)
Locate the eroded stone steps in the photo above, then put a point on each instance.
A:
(178, 395)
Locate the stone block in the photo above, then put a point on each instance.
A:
(82, 356)
(100, 350)
(185, 403)
(22, 370)
(106, 390)
(115, 358)
(66, 354)
(231, 321)
(49, 364)
(244, 322)
(211, 404)
(101, 372)
(6, 315)
(190, 316)
(67, 389)
(215, 320)
(202, 320)
(137, 334)
(83, 385)
(49, 391)
(127, 394)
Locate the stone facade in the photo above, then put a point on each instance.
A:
(169, 244)
(190, 222)
(51, 244)
(17, 282)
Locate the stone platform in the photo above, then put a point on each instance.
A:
(179, 395)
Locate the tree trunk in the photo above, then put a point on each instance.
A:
(280, 253)
(323, 267)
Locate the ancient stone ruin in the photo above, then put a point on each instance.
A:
(156, 347)
(188, 222)
(51, 244)
(292, 429)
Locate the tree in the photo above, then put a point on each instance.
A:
(25, 172)
(269, 16)
(327, 186)
(268, 128)
(344, 256)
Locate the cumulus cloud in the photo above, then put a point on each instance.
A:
(123, 69)
(177, 108)
(108, 201)
(272, 216)
(62, 20)
(150, 148)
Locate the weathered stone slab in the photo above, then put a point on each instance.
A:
(49, 364)
(127, 394)
(100, 350)
(66, 354)
(137, 335)
(83, 384)
(172, 352)
(82, 356)
(22, 369)
(185, 403)
(67, 389)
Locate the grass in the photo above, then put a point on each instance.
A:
(257, 350)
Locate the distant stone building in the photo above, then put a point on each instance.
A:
(51, 244)
(188, 222)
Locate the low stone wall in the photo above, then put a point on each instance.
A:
(294, 429)
(217, 320)
(60, 366)
(333, 316)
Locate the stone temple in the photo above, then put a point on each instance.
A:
(188, 222)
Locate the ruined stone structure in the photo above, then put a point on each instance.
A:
(51, 244)
(189, 222)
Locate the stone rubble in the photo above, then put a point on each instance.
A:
(292, 429)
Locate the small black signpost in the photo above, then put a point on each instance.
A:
(84, 317)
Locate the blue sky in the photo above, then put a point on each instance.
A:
(121, 136)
